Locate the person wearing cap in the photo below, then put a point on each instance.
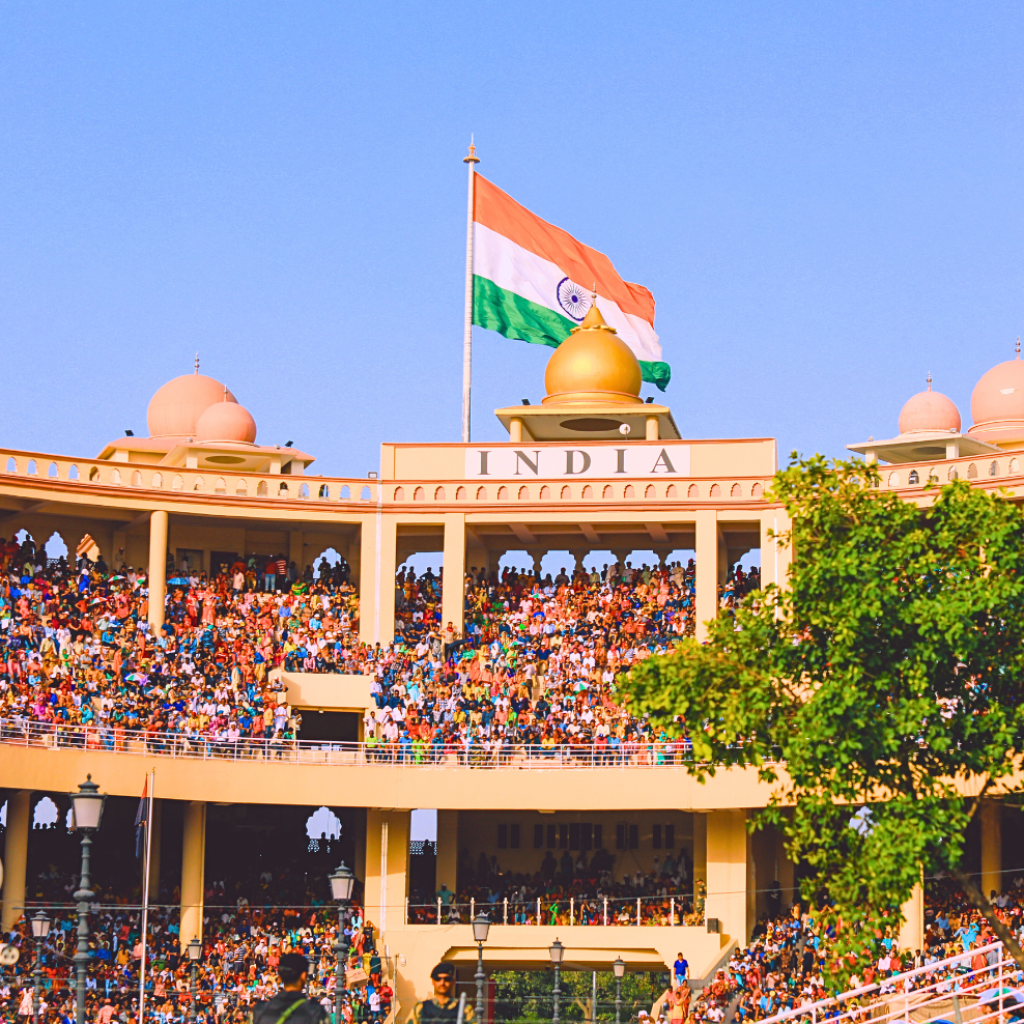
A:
(290, 1004)
(443, 1006)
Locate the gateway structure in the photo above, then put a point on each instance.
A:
(590, 468)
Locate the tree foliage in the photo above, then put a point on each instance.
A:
(888, 672)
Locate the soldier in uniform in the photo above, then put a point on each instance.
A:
(290, 1004)
(444, 1007)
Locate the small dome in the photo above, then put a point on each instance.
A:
(226, 421)
(592, 365)
(175, 409)
(929, 410)
(997, 403)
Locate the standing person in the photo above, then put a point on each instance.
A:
(443, 1007)
(681, 968)
(290, 1004)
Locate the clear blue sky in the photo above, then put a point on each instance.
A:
(824, 198)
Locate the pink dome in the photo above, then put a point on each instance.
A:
(175, 409)
(929, 410)
(999, 396)
(226, 421)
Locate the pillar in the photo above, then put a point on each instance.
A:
(769, 549)
(786, 871)
(447, 848)
(652, 428)
(378, 551)
(353, 554)
(386, 885)
(706, 544)
(19, 808)
(296, 550)
(728, 850)
(991, 847)
(515, 430)
(700, 849)
(193, 860)
(154, 851)
(912, 929)
(453, 593)
(157, 568)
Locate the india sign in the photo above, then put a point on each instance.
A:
(553, 462)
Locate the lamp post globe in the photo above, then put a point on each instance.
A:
(195, 951)
(556, 951)
(86, 815)
(342, 880)
(40, 929)
(481, 927)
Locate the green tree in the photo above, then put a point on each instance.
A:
(888, 674)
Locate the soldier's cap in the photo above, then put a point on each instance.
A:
(443, 970)
(292, 967)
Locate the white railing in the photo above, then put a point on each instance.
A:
(22, 732)
(949, 990)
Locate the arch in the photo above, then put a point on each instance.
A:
(262, 491)
(481, 494)
(241, 488)
(12, 465)
(628, 492)
(933, 477)
(94, 475)
(755, 491)
(649, 491)
(220, 486)
(1013, 466)
(670, 491)
(993, 469)
(136, 479)
(566, 494)
(304, 490)
(52, 472)
(716, 491)
(693, 491)
(332, 556)
(953, 474)
(72, 472)
(503, 493)
(913, 478)
(399, 494)
(894, 479)
(735, 492)
(32, 469)
(45, 814)
(440, 494)
(419, 494)
(545, 493)
(115, 476)
(324, 491)
(177, 484)
(345, 494)
(607, 492)
(323, 824)
(55, 547)
(158, 480)
(365, 494)
(972, 472)
(524, 493)
(199, 484)
(282, 490)
(460, 494)
(588, 493)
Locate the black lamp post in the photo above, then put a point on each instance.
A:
(195, 951)
(40, 929)
(87, 813)
(481, 926)
(619, 969)
(556, 951)
(342, 881)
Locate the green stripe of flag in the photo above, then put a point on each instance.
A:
(498, 309)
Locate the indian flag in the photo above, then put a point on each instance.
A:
(534, 281)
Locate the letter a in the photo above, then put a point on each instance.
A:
(663, 459)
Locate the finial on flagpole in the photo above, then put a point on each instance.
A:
(929, 380)
(197, 362)
(1018, 347)
(472, 158)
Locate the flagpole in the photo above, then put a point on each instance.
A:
(467, 333)
(145, 897)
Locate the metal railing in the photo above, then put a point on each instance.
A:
(950, 989)
(25, 732)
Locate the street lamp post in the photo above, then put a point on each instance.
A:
(87, 813)
(481, 926)
(556, 950)
(342, 881)
(195, 951)
(40, 929)
(619, 969)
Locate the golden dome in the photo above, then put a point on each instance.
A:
(592, 365)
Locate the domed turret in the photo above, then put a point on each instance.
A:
(929, 411)
(593, 365)
(226, 421)
(176, 407)
(997, 404)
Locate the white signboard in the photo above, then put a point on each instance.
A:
(581, 460)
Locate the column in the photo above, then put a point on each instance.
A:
(19, 808)
(386, 885)
(706, 529)
(515, 430)
(378, 549)
(453, 592)
(154, 851)
(991, 847)
(912, 929)
(157, 568)
(786, 871)
(296, 550)
(447, 848)
(769, 549)
(193, 859)
(700, 849)
(652, 428)
(728, 846)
